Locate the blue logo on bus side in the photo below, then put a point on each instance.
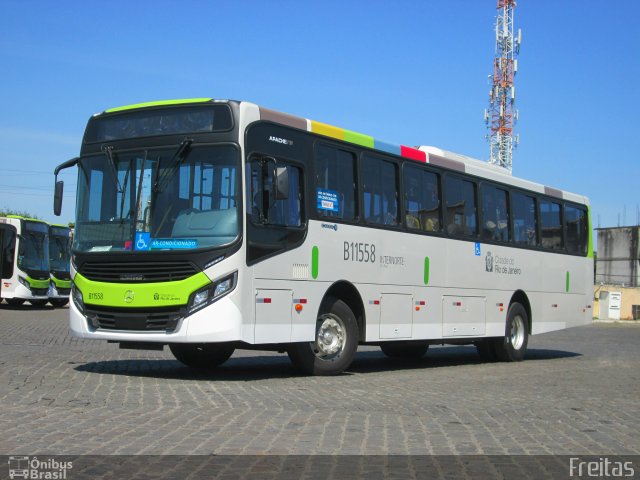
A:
(477, 249)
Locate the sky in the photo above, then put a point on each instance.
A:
(405, 72)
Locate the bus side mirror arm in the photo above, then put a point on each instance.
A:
(59, 185)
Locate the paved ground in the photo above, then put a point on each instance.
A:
(578, 392)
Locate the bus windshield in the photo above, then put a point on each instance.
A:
(59, 254)
(33, 251)
(182, 197)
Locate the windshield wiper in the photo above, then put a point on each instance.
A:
(178, 157)
(108, 151)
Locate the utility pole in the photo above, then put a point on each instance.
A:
(501, 115)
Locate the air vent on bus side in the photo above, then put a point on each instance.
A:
(137, 272)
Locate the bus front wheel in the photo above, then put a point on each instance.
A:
(335, 344)
(513, 346)
(201, 355)
(15, 302)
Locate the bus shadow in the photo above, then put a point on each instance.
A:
(278, 366)
(26, 307)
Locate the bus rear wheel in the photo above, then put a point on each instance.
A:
(335, 345)
(202, 355)
(513, 346)
(405, 351)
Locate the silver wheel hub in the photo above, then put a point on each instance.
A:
(517, 332)
(330, 337)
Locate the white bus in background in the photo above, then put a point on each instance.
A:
(60, 264)
(211, 225)
(25, 251)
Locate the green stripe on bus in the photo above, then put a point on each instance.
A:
(358, 138)
(568, 282)
(158, 104)
(315, 255)
(426, 270)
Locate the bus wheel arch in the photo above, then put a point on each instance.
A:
(520, 297)
(348, 293)
(339, 329)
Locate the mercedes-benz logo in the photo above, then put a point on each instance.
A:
(128, 296)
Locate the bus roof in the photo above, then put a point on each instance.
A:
(425, 154)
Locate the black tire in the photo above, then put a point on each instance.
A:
(406, 351)
(486, 350)
(15, 302)
(202, 355)
(335, 345)
(58, 302)
(513, 346)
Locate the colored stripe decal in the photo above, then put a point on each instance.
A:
(327, 130)
(315, 255)
(568, 282)
(283, 118)
(160, 103)
(386, 147)
(413, 153)
(358, 138)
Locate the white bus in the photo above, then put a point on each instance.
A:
(25, 265)
(211, 225)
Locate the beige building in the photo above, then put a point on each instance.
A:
(617, 282)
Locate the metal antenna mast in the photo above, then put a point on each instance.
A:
(502, 115)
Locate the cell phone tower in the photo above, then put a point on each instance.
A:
(501, 115)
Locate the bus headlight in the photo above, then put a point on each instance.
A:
(24, 282)
(212, 292)
(77, 297)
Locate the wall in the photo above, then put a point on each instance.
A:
(630, 296)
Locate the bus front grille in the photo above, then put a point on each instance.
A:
(137, 272)
(156, 320)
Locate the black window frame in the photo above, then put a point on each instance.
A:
(372, 155)
(481, 213)
(312, 192)
(445, 187)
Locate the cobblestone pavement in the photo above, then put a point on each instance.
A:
(578, 392)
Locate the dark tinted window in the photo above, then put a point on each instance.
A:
(380, 181)
(495, 214)
(158, 121)
(460, 207)
(421, 200)
(577, 227)
(335, 183)
(525, 225)
(550, 217)
(265, 208)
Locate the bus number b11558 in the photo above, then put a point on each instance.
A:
(359, 252)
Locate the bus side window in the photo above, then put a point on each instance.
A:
(525, 227)
(576, 224)
(495, 214)
(421, 200)
(380, 191)
(550, 217)
(460, 207)
(335, 191)
(264, 208)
